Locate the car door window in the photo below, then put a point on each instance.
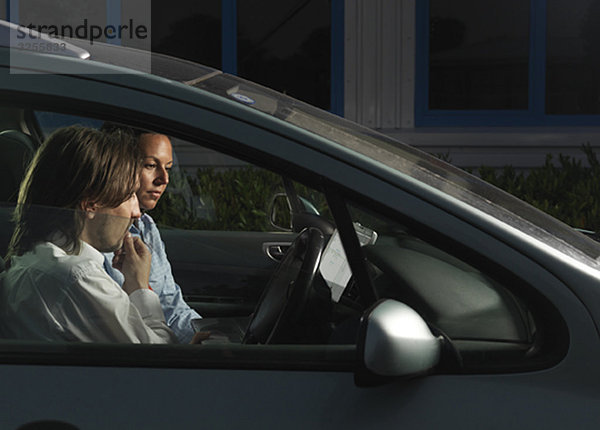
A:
(214, 220)
(213, 191)
(221, 225)
(47, 122)
(227, 225)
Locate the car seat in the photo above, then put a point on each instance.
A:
(16, 151)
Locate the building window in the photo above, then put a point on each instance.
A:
(287, 46)
(478, 54)
(507, 62)
(573, 61)
(295, 47)
(188, 29)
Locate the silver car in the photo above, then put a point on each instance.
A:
(352, 281)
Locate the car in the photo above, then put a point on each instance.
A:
(352, 281)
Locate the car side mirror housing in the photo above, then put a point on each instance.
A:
(394, 341)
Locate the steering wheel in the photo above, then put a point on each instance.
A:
(286, 293)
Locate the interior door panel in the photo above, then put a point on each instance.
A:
(222, 272)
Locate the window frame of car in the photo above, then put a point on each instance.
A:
(270, 156)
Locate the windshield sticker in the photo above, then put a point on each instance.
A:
(242, 98)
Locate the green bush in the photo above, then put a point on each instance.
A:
(175, 208)
(568, 190)
(238, 198)
(234, 199)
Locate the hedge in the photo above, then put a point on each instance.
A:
(239, 198)
(228, 199)
(234, 199)
(567, 190)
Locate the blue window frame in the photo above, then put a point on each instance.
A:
(229, 51)
(553, 89)
(229, 36)
(337, 57)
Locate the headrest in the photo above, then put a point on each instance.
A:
(16, 137)
(16, 151)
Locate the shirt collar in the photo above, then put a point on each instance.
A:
(135, 227)
(88, 251)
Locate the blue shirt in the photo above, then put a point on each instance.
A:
(177, 312)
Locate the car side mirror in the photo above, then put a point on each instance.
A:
(394, 341)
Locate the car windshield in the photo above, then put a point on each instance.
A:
(410, 161)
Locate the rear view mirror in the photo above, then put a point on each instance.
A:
(395, 341)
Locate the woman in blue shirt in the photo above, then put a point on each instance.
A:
(158, 161)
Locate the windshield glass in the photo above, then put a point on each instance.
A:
(411, 161)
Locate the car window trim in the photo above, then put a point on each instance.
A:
(210, 356)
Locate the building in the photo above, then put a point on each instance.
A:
(482, 82)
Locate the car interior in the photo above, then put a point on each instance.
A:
(489, 319)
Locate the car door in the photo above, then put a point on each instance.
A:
(325, 384)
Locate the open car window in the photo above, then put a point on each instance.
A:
(258, 255)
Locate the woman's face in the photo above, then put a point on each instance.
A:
(158, 160)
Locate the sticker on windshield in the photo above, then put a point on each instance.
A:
(243, 98)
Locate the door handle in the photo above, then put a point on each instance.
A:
(276, 250)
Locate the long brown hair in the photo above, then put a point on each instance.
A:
(75, 164)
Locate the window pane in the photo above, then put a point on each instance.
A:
(50, 121)
(478, 54)
(286, 46)
(573, 63)
(491, 317)
(188, 29)
(211, 233)
(212, 191)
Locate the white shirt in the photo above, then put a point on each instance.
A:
(50, 295)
